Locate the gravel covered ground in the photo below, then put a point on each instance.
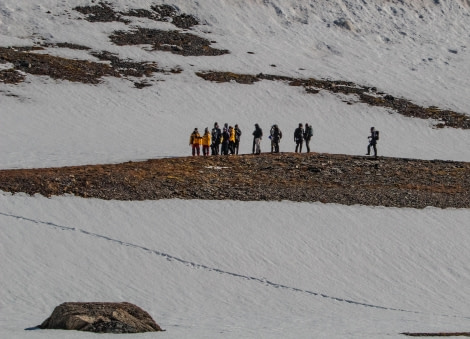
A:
(328, 178)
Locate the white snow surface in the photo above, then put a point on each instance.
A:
(227, 269)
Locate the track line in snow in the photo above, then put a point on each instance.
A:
(194, 265)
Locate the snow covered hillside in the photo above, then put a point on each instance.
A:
(417, 51)
(212, 269)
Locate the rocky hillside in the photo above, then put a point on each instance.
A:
(327, 178)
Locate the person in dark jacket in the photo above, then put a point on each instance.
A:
(276, 137)
(216, 135)
(299, 138)
(373, 137)
(271, 132)
(308, 135)
(225, 141)
(238, 134)
(257, 136)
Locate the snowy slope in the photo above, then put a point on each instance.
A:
(216, 268)
(239, 269)
(115, 122)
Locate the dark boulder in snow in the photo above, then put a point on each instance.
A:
(100, 317)
(344, 23)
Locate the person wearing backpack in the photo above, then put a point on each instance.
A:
(308, 135)
(299, 138)
(373, 137)
(257, 136)
(225, 141)
(238, 134)
(216, 135)
(276, 136)
(271, 133)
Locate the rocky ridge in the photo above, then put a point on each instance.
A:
(314, 177)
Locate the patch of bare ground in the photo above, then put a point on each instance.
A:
(171, 41)
(25, 60)
(11, 76)
(327, 178)
(104, 12)
(364, 94)
(56, 67)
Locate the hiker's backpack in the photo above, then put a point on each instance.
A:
(376, 135)
(310, 131)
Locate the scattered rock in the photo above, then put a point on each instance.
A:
(101, 318)
(344, 23)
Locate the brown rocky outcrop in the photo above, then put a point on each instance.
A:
(328, 178)
(100, 317)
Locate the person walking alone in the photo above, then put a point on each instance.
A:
(299, 138)
(257, 136)
(373, 137)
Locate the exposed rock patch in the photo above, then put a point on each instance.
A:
(364, 94)
(101, 318)
(344, 23)
(26, 61)
(56, 67)
(100, 13)
(104, 12)
(11, 76)
(171, 41)
(327, 178)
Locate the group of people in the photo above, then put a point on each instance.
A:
(220, 141)
(226, 141)
(275, 134)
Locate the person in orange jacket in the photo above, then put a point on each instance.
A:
(195, 142)
(206, 142)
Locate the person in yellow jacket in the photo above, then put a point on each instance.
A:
(231, 140)
(195, 141)
(206, 142)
